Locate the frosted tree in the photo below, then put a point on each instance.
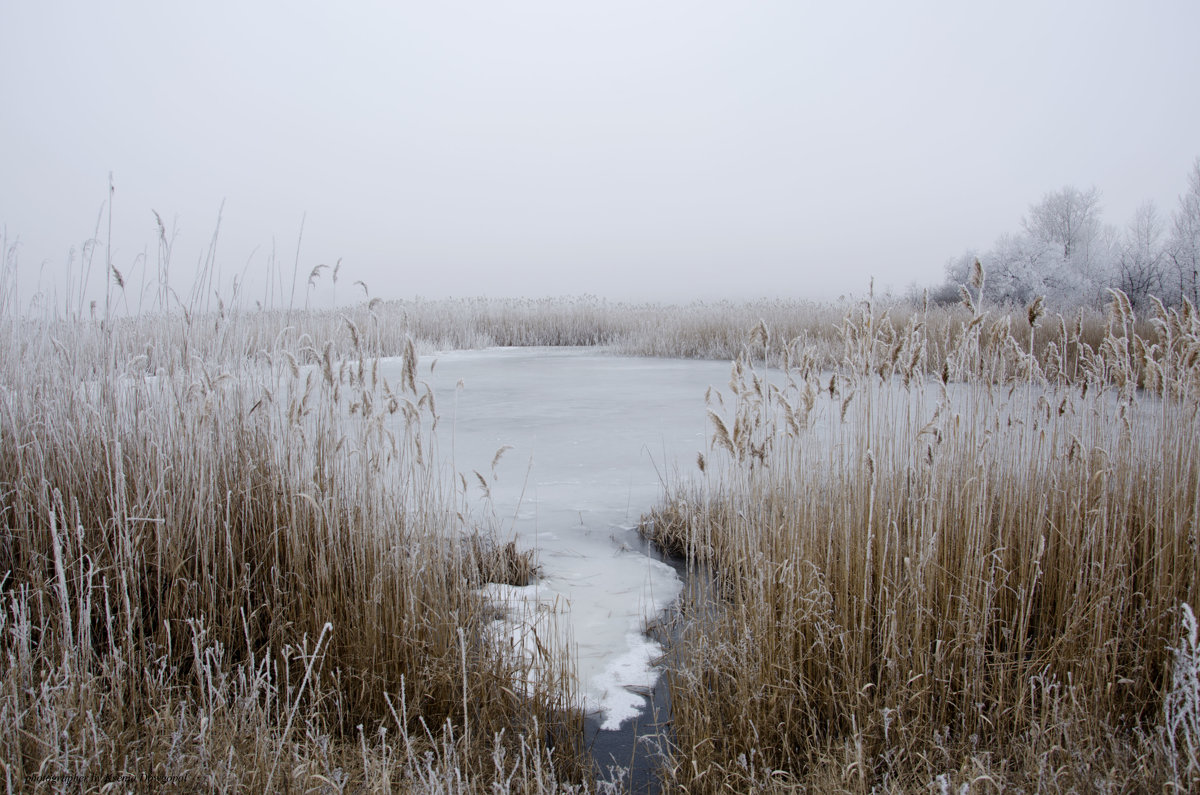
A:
(958, 271)
(1065, 220)
(1066, 253)
(1064, 232)
(1140, 257)
(1063, 252)
(1183, 248)
(1017, 269)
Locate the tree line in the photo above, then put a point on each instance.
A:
(1068, 254)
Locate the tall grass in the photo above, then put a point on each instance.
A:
(945, 548)
(977, 580)
(230, 561)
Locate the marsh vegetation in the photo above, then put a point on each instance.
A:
(978, 581)
(942, 548)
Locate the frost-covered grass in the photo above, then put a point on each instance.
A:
(231, 559)
(228, 563)
(972, 582)
(719, 330)
(1181, 708)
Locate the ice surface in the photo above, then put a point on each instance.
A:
(592, 437)
(631, 669)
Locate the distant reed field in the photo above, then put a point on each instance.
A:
(717, 330)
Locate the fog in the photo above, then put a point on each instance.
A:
(664, 151)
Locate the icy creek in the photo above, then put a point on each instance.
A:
(590, 438)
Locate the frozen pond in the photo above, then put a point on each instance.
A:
(591, 437)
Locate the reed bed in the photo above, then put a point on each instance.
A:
(231, 561)
(935, 548)
(973, 582)
(152, 344)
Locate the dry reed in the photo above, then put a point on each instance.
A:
(973, 582)
(229, 563)
(947, 549)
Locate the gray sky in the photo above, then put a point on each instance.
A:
(633, 150)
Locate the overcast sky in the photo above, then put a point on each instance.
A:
(632, 150)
